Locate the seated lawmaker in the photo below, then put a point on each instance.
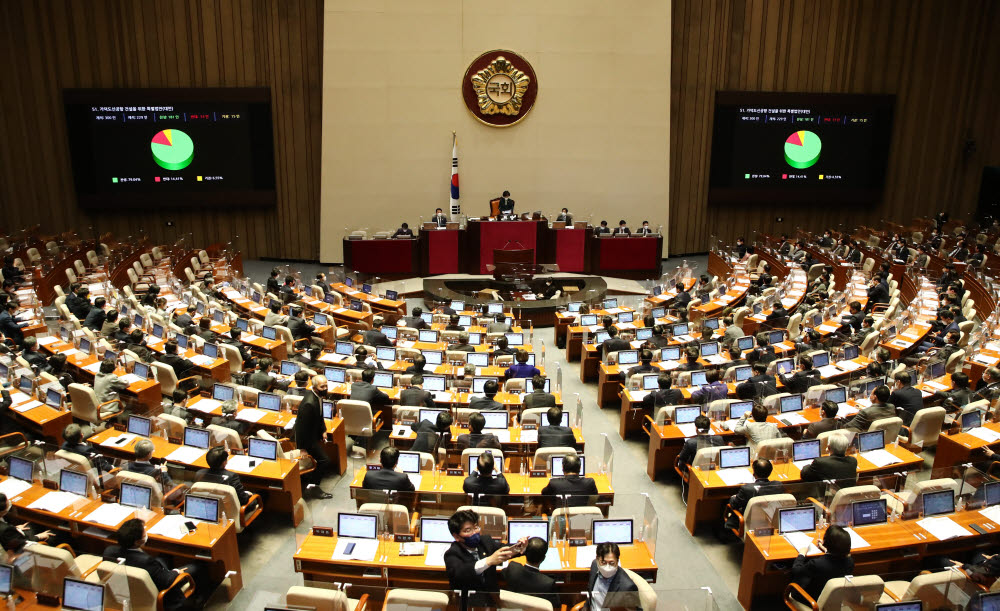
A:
(143, 453)
(664, 395)
(131, 536)
(538, 397)
(521, 369)
(365, 391)
(487, 403)
(387, 478)
(812, 573)
(528, 577)
(463, 344)
(554, 434)
(484, 480)
(216, 473)
(580, 489)
(608, 586)
(837, 466)
(414, 395)
(432, 435)
(404, 231)
(761, 486)
(475, 438)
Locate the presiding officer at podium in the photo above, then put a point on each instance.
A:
(506, 204)
(439, 218)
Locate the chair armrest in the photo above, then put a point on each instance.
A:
(895, 496)
(737, 513)
(652, 423)
(580, 606)
(414, 520)
(66, 547)
(794, 587)
(377, 421)
(181, 579)
(250, 501)
(818, 504)
(362, 603)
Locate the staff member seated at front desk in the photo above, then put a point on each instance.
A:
(506, 205)
(387, 478)
(404, 231)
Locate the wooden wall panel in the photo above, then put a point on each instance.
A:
(48, 45)
(940, 59)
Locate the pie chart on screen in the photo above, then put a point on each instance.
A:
(172, 149)
(802, 149)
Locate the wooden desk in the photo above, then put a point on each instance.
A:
(213, 544)
(708, 493)
(957, 448)
(894, 547)
(515, 444)
(383, 257)
(631, 257)
(42, 419)
(377, 303)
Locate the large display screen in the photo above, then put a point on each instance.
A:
(793, 147)
(135, 147)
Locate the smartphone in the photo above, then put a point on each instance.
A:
(252, 463)
(191, 526)
(349, 549)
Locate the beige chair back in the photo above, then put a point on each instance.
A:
(230, 502)
(227, 435)
(937, 590)
(534, 415)
(543, 455)
(142, 592)
(396, 517)
(492, 520)
(647, 595)
(891, 426)
(768, 505)
(573, 522)
(926, 426)
(775, 448)
(513, 600)
(357, 417)
(404, 600)
(861, 592)
(320, 599)
(846, 496)
(131, 477)
(166, 377)
(84, 404)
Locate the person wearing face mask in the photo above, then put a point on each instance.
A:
(472, 560)
(309, 429)
(609, 585)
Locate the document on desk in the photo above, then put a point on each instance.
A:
(12, 487)
(204, 405)
(249, 337)
(119, 441)
(688, 430)
(943, 528)
(291, 424)
(846, 409)
(502, 434)
(638, 395)
(990, 513)
(553, 560)
(241, 463)
(131, 378)
(880, 458)
(172, 526)
(828, 371)
(415, 479)
(45, 341)
(792, 418)
(93, 367)
(186, 454)
(202, 360)
(985, 434)
(716, 359)
(849, 365)
(827, 328)
(863, 403)
(435, 554)
(110, 514)
(803, 543)
(614, 311)
(250, 414)
(684, 338)
(529, 436)
(736, 476)
(625, 326)
(71, 352)
(55, 501)
(802, 464)
(936, 385)
(364, 549)
(31, 404)
(857, 541)
(985, 359)
(585, 556)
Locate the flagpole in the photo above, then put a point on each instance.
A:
(455, 206)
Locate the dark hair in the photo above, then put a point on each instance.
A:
(368, 374)
(538, 381)
(389, 457)
(762, 468)
(759, 368)
(646, 356)
(702, 422)
(960, 379)
(830, 409)
(807, 361)
(491, 387)
(603, 549)
(265, 363)
(111, 316)
(534, 551)
(554, 416)
(485, 464)
(712, 375)
(459, 519)
(664, 380)
(205, 323)
(217, 457)
(882, 393)
(124, 323)
(417, 311)
(107, 366)
(502, 342)
(170, 347)
(571, 464)
(443, 423)
(416, 379)
(129, 533)
(759, 413)
(903, 377)
(72, 433)
(476, 422)
(521, 356)
(837, 541)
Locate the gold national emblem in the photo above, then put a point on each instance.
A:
(500, 87)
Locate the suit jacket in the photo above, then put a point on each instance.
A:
(414, 322)
(710, 392)
(440, 220)
(261, 381)
(299, 328)
(800, 381)
(601, 229)
(644, 231)
(403, 233)
(497, 327)
(577, 487)
(81, 309)
(478, 440)
(622, 591)
(760, 487)
(908, 401)
(877, 294)
(106, 387)
(692, 445)
(10, 329)
(461, 348)
(271, 319)
(309, 425)
(159, 573)
(506, 205)
(555, 437)
(529, 580)
(864, 418)
(427, 435)
(364, 391)
(763, 385)
(485, 404)
(813, 573)
(414, 396)
(146, 468)
(538, 398)
(831, 467)
(614, 344)
(460, 565)
(384, 479)
(521, 370)
(620, 230)
(821, 426)
(95, 318)
(375, 338)
(476, 484)
(661, 397)
(181, 366)
(226, 478)
(109, 328)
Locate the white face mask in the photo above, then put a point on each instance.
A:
(607, 570)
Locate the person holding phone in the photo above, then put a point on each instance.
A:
(472, 560)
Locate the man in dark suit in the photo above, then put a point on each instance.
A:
(527, 578)
(9, 326)
(622, 228)
(130, 537)
(501, 348)
(682, 299)
(852, 321)
(364, 391)
(472, 560)
(563, 217)
(538, 397)
(216, 473)
(430, 435)
(234, 340)
(801, 380)
(81, 306)
(419, 362)
(309, 430)
(506, 205)
(25, 529)
(297, 325)
(463, 343)
(73, 442)
(645, 229)
(554, 435)
(959, 395)
(665, 395)
(760, 384)
(703, 438)
(905, 398)
(878, 294)
(813, 573)
(387, 478)
(602, 229)
(374, 336)
(484, 481)
(837, 466)
(645, 366)
(414, 320)
(579, 489)
(182, 367)
(879, 409)
(761, 486)
(415, 395)
(439, 218)
(475, 438)
(827, 423)
(487, 403)
(613, 343)
(32, 355)
(272, 285)
(320, 280)
(96, 315)
(143, 452)
(609, 587)
(403, 232)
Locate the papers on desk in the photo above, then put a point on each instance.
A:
(625, 325)
(364, 549)
(688, 430)
(93, 367)
(13, 487)
(985, 434)
(435, 554)
(131, 378)
(119, 441)
(716, 359)
(990, 513)
(943, 528)
(32, 404)
(803, 543)
(502, 434)
(45, 341)
(55, 501)
(684, 338)
(442, 395)
(171, 526)
(415, 479)
(668, 365)
(849, 365)
(802, 464)
(792, 419)
(827, 328)
(186, 454)
(71, 352)
(846, 409)
(585, 556)
(529, 436)
(241, 463)
(553, 561)
(250, 414)
(985, 359)
(880, 458)
(110, 514)
(857, 541)
(901, 343)
(863, 402)
(202, 360)
(935, 385)
(614, 311)
(736, 476)
(400, 343)
(204, 405)
(594, 328)
(828, 371)
(638, 395)
(291, 424)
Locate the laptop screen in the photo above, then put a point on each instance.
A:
(53, 398)
(709, 349)
(204, 508)
(137, 425)
(357, 306)
(917, 605)
(573, 306)
(643, 334)
(837, 395)
(850, 352)
(937, 369)
(6, 573)
(427, 317)
(514, 339)
(711, 323)
(138, 321)
(428, 414)
(613, 531)
(82, 595)
(157, 333)
(518, 529)
(970, 420)
(20, 468)
(698, 378)
(737, 409)
(476, 339)
(495, 420)
(382, 380)
(992, 493)
(385, 353)
(545, 386)
(628, 357)
(141, 370)
(25, 384)
(479, 359)
(680, 329)
(734, 457)
(821, 359)
(791, 403)
(136, 495)
(805, 450)
(366, 288)
(221, 392)
(458, 306)
(434, 383)
(796, 519)
(319, 319)
(242, 324)
(869, 512)
(784, 365)
(743, 373)
(73, 481)
(337, 375)
(494, 308)
(650, 382)
(670, 353)
(776, 337)
(358, 526)
(600, 337)
(744, 343)
(588, 320)
(938, 503)
(197, 438)
(391, 295)
(435, 530)
(659, 312)
(289, 368)
(626, 317)
(427, 335)
(269, 333)
(344, 348)
(432, 357)
(409, 462)
(265, 449)
(390, 332)
(611, 302)
(269, 401)
(684, 415)
(556, 465)
(478, 384)
(872, 440)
